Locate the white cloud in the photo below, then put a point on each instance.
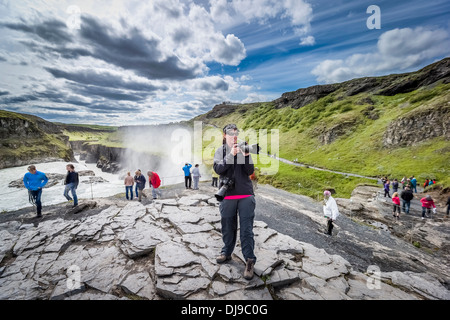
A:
(397, 49)
(298, 12)
(230, 51)
(308, 41)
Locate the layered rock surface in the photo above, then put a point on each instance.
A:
(167, 249)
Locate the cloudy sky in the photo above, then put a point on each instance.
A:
(159, 61)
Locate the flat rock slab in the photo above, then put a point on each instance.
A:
(174, 255)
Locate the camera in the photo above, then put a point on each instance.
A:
(249, 148)
(225, 184)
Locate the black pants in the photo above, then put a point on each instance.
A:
(35, 198)
(214, 182)
(396, 208)
(186, 179)
(330, 226)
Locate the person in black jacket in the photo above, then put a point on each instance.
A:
(71, 183)
(235, 166)
(406, 195)
(140, 184)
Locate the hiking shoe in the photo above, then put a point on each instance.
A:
(223, 258)
(249, 269)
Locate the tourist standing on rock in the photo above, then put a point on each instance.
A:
(396, 201)
(395, 185)
(140, 184)
(403, 182)
(234, 168)
(129, 182)
(187, 175)
(406, 195)
(427, 205)
(215, 178)
(71, 183)
(154, 182)
(386, 189)
(330, 211)
(196, 176)
(409, 184)
(34, 181)
(414, 184)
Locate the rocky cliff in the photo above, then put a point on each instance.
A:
(385, 85)
(419, 125)
(28, 139)
(115, 159)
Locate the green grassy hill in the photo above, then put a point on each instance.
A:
(27, 139)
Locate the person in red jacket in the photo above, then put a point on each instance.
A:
(396, 201)
(155, 182)
(427, 205)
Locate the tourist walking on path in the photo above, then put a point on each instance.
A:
(154, 182)
(234, 168)
(427, 205)
(426, 183)
(196, 176)
(187, 175)
(129, 182)
(140, 181)
(386, 189)
(396, 201)
(34, 181)
(409, 184)
(71, 183)
(414, 184)
(403, 182)
(330, 211)
(406, 195)
(214, 177)
(395, 185)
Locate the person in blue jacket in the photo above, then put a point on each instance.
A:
(187, 175)
(34, 181)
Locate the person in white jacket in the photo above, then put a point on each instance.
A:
(330, 211)
(196, 175)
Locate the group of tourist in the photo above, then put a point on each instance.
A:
(409, 187)
(139, 182)
(188, 175)
(35, 181)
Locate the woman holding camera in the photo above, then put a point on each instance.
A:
(234, 167)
